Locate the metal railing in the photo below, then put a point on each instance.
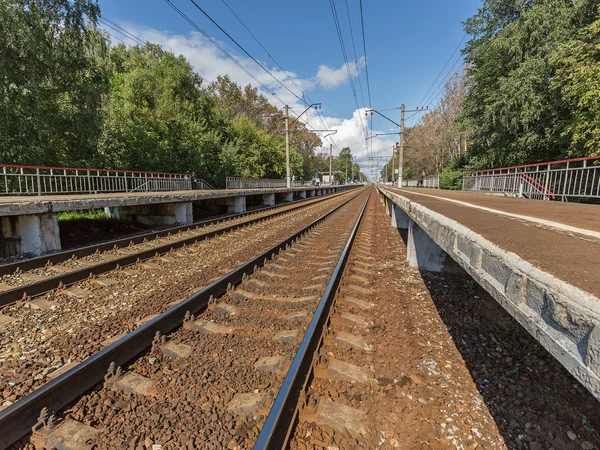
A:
(39, 180)
(431, 181)
(260, 183)
(556, 180)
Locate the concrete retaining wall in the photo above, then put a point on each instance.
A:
(563, 318)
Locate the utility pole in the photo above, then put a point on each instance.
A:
(401, 144)
(394, 164)
(288, 178)
(352, 169)
(346, 180)
(330, 160)
(401, 150)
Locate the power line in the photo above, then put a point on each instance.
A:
(216, 44)
(138, 40)
(252, 57)
(355, 57)
(362, 23)
(345, 56)
(441, 71)
(268, 53)
(323, 119)
(245, 51)
(229, 55)
(117, 38)
(121, 30)
(442, 83)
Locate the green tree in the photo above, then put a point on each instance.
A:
(157, 117)
(513, 114)
(52, 78)
(578, 81)
(344, 161)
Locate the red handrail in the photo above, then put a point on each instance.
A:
(538, 185)
(560, 161)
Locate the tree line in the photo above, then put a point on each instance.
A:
(529, 91)
(70, 98)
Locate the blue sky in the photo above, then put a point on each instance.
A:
(407, 42)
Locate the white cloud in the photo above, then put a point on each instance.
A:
(209, 63)
(330, 78)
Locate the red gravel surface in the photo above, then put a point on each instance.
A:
(451, 368)
(192, 405)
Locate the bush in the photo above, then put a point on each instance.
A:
(90, 214)
(451, 179)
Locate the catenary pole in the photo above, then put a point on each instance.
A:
(401, 155)
(330, 161)
(288, 178)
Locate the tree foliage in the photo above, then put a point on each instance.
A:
(527, 94)
(51, 81)
(70, 99)
(530, 91)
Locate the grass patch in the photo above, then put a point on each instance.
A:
(86, 215)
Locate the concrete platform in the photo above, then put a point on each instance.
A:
(20, 205)
(30, 225)
(538, 259)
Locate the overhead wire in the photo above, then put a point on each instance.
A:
(345, 57)
(355, 56)
(229, 55)
(267, 52)
(323, 119)
(121, 30)
(442, 83)
(362, 23)
(245, 51)
(421, 103)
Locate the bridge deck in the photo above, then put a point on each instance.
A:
(562, 239)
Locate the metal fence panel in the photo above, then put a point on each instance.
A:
(261, 183)
(557, 180)
(32, 180)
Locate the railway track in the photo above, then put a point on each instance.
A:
(43, 337)
(211, 382)
(35, 276)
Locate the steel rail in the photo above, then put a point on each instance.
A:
(278, 425)
(16, 420)
(41, 261)
(40, 287)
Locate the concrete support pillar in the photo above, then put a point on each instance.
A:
(302, 194)
(399, 218)
(311, 193)
(36, 234)
(157, 214)
(318, 192)
(422, 252)
(288, 197)
(388, 206)
(236, 205)
(269, 199)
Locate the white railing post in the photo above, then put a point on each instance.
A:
(520, 186)
(565, 183)
(39, 182)
(546, 182)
